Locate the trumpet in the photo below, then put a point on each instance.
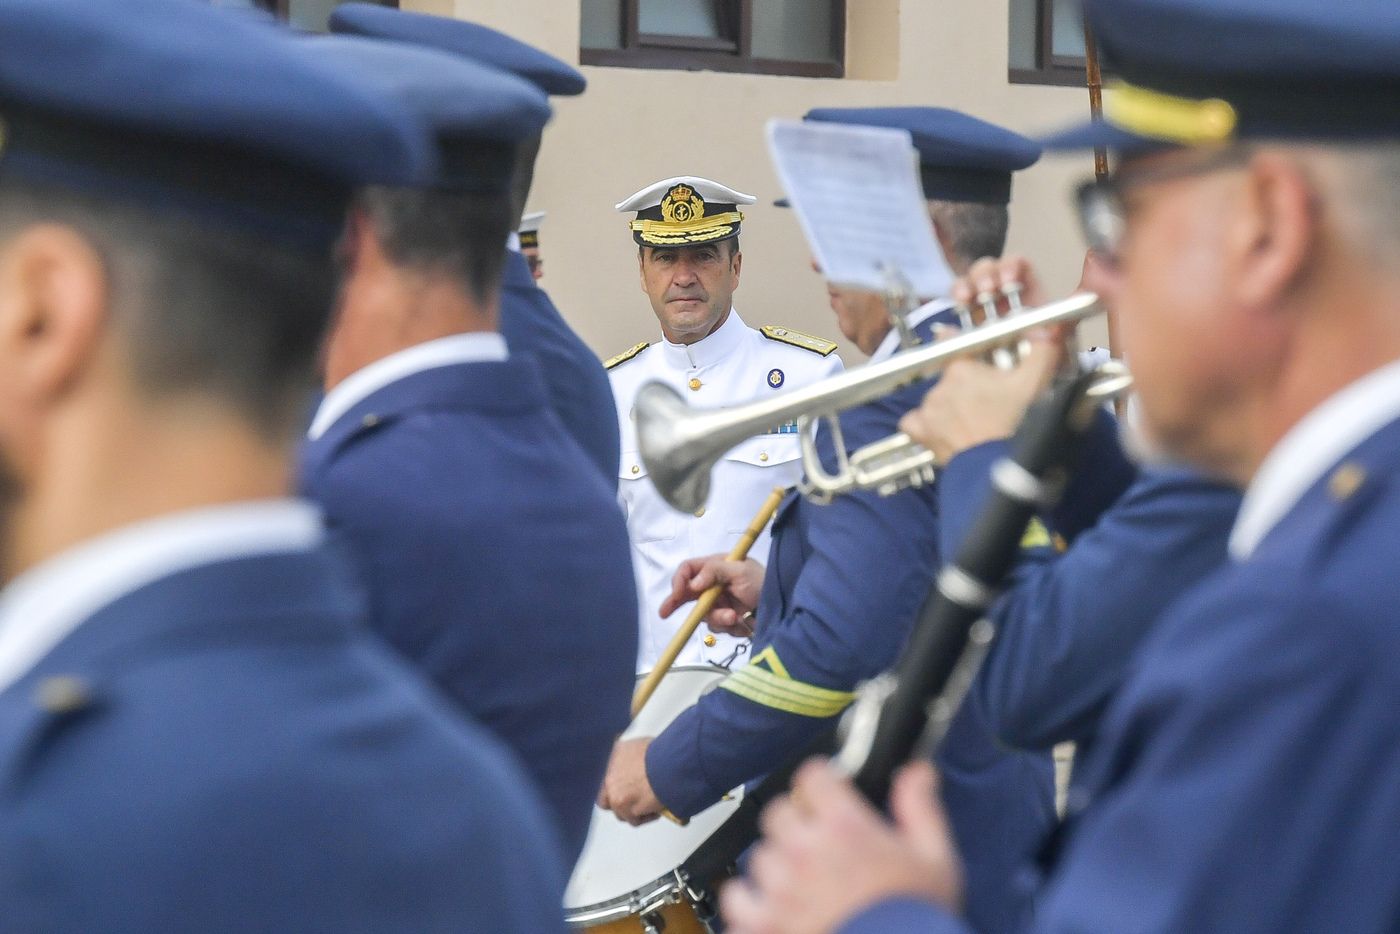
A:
(680, 445)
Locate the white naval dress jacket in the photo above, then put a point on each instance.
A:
(736, 364)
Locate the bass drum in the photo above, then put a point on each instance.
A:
(625, 881)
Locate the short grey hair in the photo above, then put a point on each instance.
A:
(1363, 180)
(973, 230)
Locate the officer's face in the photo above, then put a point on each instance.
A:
(1192, 344)
(534, 261)
(861, 315)
(691, 287)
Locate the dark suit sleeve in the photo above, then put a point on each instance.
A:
(1067, 627)
(869, 568)
(903, 916)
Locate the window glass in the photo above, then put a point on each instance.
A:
(794, 30)
(601, 24)
(680, 18)
(1067, 29)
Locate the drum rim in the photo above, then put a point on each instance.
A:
(639, 901)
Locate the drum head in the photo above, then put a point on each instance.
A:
(619, 859)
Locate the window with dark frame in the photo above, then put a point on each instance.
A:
(311, 15)
(769, 37)
(1047, 42)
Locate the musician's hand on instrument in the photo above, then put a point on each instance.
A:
(995, 278)
(742, 582)
(976, 402)
(626, 791)
(827, 855)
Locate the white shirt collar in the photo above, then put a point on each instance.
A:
(890, 345)
(513, 242)
(43, 605)
(708, 350)
(482, 346)
(1321, 439)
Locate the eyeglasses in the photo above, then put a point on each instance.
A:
(1103, 212)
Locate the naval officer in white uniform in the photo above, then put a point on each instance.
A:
(687, 234)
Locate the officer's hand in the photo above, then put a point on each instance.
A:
(827, 855)
(992, 276)
(626, 791)
(975, 402)
(742, 582)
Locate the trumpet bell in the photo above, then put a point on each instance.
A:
(665, 439)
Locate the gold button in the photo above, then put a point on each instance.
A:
(1346, 480)
(695, 383)
(763, 457)
(62, 694)
(636, 469)
(699, 512)
(710, 641)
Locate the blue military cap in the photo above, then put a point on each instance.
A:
(961, 158)
(470, 40)
(477, 113)
(1209, 71)
(183, 106)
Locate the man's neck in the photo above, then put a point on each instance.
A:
(413, 311)
(110, 466)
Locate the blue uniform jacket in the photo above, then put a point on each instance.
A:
(496, 560)
(576, 383)
(844, 585)
(1247, 776)
(1068, 625)
(228, 750)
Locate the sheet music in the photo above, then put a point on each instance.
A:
(857, 195)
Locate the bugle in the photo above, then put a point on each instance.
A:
(680, 445)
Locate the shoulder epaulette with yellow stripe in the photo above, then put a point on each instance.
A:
(797, 339)
(626, 355)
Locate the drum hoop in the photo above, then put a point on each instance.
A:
(666, 890)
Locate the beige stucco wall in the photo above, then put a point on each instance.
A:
(634, 126)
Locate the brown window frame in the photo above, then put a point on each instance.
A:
(1051, 69)
(701, 53)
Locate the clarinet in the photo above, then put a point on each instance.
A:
(911, 706)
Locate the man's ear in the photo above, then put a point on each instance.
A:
(642, 267)
(1277, 230)
(736, 266)
(54, 307)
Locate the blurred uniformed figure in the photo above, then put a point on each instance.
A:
(529, 235)
(494, 562)
(844, 581)
(1067, 627)
(687, 234)
(1245, 778)
(530, 323)
(197, 731)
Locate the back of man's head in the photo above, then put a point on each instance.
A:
(970, 230)
(195, 312)
(456, 236)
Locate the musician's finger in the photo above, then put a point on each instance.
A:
(781, 820)
(742, 907)
(913, 804)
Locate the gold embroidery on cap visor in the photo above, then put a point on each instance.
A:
(700, 230)
(1166, 117)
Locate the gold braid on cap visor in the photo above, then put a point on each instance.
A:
(1166, 117)
(700, 230)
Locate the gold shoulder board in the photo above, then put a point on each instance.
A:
(797, 339)
(626, 355)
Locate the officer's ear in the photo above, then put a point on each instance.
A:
(54, 297)
(642, 266)
(736, 260)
